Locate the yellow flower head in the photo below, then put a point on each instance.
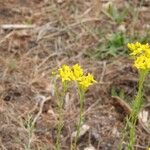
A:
(142, 62)
(138, 48)
(142, 55)
(64, 73)
(86, 81)
(77, 72)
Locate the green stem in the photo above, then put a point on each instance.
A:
(59, 129)
(61, 115)
(137, 104)
(81, 117)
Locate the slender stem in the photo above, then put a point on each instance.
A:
(81, 94)
(81, 117)
(137, 104)
(59, 128)
(61, 115)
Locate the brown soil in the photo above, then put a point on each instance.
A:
(64, 31)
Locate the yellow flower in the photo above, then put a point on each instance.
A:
(77, 72)
(142, 62)
(142, 55)
(138, 48)
(86, 81)
(64, 73)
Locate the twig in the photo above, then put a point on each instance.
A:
(103, 71)
(126, 107)
(73, 25)
(40, 111)
(17, 26)
(6, 37)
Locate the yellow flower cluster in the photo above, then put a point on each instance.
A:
(86, 81)
(142, 55)
(76, 74)
(65, 73)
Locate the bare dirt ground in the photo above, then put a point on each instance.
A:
(63, 33)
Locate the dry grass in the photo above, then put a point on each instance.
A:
(65, 30)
